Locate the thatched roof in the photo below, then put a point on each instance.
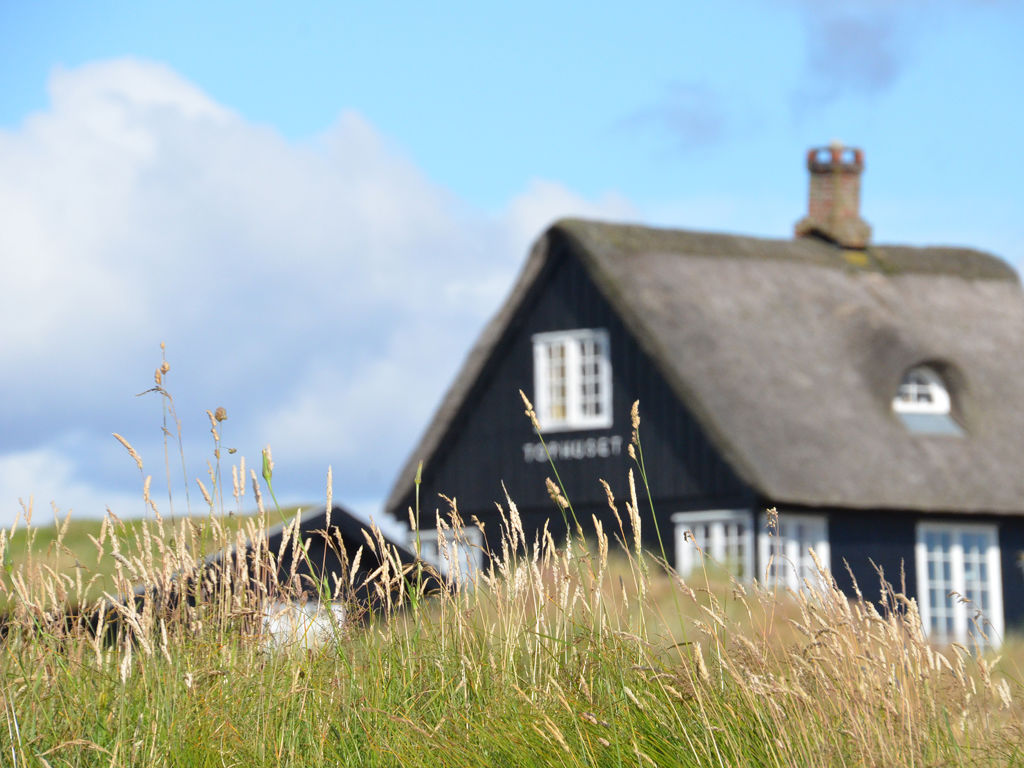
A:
(789, 353)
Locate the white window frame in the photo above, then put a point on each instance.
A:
(962, 612)
(721, 543)
(469, 550)
(792, 564)
(574, 417)
(922, 380)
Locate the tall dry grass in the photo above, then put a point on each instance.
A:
(558, 652)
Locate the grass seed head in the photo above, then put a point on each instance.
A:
(531, 414)
(556, 494)
(131, 451)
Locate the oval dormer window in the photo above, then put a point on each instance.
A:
(923, 403)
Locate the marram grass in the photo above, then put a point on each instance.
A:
(558, 654)
(576, 652)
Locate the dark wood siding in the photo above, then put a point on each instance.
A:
(1011, 548)
(868, 545)
(484, 449)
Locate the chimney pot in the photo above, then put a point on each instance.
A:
(833, 210)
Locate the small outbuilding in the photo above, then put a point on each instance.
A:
(340, 552)
(872, 394)
(327, 563)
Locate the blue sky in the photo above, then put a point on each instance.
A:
(317, 207)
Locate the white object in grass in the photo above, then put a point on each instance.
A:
(311, 624)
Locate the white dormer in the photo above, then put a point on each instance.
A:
(923, 403)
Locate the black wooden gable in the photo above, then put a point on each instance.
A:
(489, 442)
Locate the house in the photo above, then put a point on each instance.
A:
(872, 394)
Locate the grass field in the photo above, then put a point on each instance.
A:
(79, 550)
(560, 653)
(557, 655)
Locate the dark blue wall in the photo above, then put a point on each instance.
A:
(870, 545)
(1011, 545)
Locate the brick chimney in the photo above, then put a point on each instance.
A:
(833, 210)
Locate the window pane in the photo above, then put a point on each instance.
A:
(956, 558)
(557, 395)
(794, 566)
(573, 374)
(721, 535)
(591, 404)
(921, 391)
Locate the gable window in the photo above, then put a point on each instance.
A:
(572, 379)
(959, 585)
(923, 403)
(724, 535)
(452, 555)
(785, 553)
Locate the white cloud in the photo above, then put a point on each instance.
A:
(323, 291)
(544, 201)
(36, 481)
